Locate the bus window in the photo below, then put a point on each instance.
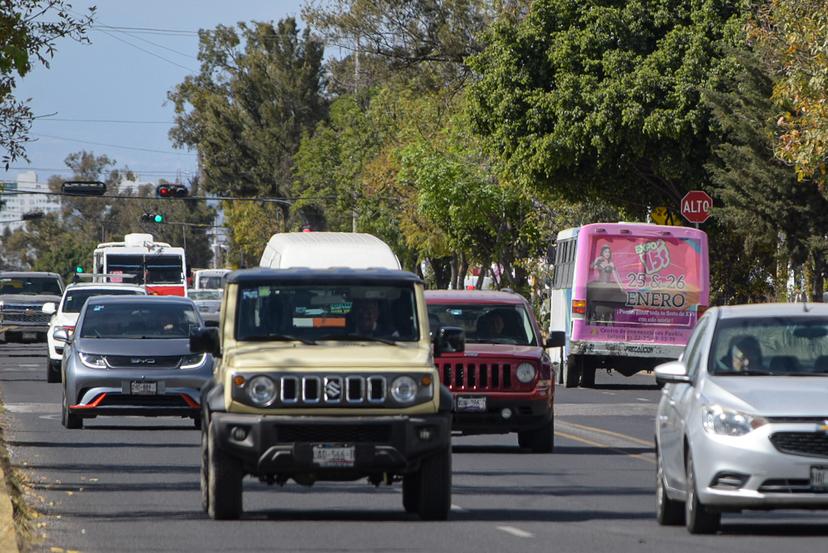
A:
(126, 264)
(163, 269)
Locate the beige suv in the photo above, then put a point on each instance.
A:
(325, 374)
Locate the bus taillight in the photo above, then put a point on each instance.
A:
(579, 307)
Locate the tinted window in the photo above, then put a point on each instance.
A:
(31, 286)
(146, 319)
(76, 298)
(197, 295)
(211, 282)
(492, 324)
(127, 265)
(163, 269)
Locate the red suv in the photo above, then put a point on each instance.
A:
(502, 382)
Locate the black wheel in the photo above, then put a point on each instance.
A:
(540, 440)
(70, 421)
(224, 481)
(698, 518)
(53, 371)
(572, 371)
(669, 512)
(204, 472)
(411, 492)
(435, 486)
(197, 422)
(587, 374)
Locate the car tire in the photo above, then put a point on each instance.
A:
(204, 473)
(698, 518)
(53, 371)
(669, 512)
(224, 481)
(435, 486)
(411, 492)
(539, 440)
(197, 422)
(69, 420)
(572, 371)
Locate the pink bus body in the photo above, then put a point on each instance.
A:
(627, 295)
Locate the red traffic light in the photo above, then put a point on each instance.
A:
(171, 191)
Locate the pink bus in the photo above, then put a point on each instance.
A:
(626, 296)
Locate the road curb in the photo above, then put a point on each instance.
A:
(8, 536)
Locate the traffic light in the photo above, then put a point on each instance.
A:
(153, 218)
(83, 188)
(171, 191)
(78, 269)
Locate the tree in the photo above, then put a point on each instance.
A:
(29, 31)
(601, 99)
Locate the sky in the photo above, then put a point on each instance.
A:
(110, 96)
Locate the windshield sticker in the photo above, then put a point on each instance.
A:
(340, 308)
(248, 294)
(98, 308)
(264, 291)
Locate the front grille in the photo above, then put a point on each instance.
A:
(25, 314)
(812, 444)
(331, 390)
(779, 485)
(480, 377)
(143, 361)
(334, 433)
(122, 400)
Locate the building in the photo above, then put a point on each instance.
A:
(17, 203)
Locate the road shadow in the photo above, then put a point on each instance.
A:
(513, 449)
(590, 450)
(93, 469)
(93, 487)
(93, 426)
(551, 491)
(626, 387)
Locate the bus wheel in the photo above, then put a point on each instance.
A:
(588, 374)
(572, 371)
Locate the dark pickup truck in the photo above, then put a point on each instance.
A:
(22, 295)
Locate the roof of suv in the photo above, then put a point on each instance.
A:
(473, 296)
(104, 286)
(25, 274)
(138, 298)
(337, 274)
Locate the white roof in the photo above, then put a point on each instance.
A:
(104, 286)
(767, 310)
(328, 249)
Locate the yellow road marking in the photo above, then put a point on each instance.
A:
(596, 444)
(611, 433)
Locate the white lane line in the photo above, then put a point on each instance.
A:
(457, 508)
(609, 393)
(29, 365)
(517, 532)
(642, 399)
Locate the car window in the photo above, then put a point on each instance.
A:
(133, 320)
(486, 323)
(75, 299)
(32, 286)
(695, 348)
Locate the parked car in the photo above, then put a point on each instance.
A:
(502, 382)
(22, 295)
(130, 355)
(208, 303)
(65, 313)
(742, 418)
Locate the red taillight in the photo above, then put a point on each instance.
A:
(191, 403)
(92, 404)
(579, 307)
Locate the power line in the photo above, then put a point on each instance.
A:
(122, 170)
(113, 145)
(118, 121)
(150, 52)
(148, 30)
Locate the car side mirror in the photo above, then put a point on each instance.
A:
(450, 339)
(556, 339)
(60, 335)
(674, 372)
(205, 340)
(211, 324)
(49, 308)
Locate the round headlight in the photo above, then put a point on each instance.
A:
(261, 390)
(404, 389)
(525, 372)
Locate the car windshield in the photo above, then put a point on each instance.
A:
(770, 346)
(147, 319)
(76, 298)
(317, 312)
(486, 323)
(197, 295)
(34, 286)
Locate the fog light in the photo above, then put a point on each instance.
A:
(506, 413)
(239, 433)
(425, 434)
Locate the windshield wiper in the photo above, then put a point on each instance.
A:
(279, 338)
(748, 372)
(357, 338)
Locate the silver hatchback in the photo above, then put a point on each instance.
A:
(130, 355)
(743, 418)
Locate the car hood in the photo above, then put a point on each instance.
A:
(248, 355)
(771, 396)
(501, 350)
(29, 299)
(214, 305)
(150, 346)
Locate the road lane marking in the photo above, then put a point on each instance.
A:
(610, 433)
(634, 409)
(642, 399)
(33, 407)
(597, 444)
(517, 532)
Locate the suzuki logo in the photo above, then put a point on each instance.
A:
(333, 389)
(142, 361)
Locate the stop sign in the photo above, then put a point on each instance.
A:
(696, 206)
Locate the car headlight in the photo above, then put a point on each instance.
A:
(261, 390)
(525, 372)
(403, 389)
(92, 360)
(727, 422)
(192, 361)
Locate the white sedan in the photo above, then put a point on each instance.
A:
(743, 417)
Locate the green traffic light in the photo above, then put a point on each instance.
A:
(78, 269)
(158, 218)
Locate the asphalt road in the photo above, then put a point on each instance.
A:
(128, 484)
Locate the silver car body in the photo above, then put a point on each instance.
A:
(208, 302)
(761, 468)
(130, 365)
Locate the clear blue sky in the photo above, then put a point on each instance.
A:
(112, 80)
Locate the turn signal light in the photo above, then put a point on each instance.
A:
(579, 307)
(426, 380)
(238, 380)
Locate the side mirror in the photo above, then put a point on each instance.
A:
(60, 335)
(49, 308)
(450, 339)
(557, 339)
(205, 340)
(674, 372)
(210, 323)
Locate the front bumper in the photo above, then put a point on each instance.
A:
(774, 479)
(525, 414)
(283, 445)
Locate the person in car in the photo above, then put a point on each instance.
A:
(744, 353)
(365, 317)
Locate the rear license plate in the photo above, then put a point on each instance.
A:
(142, 388)
(819, 478)
(29, 336)
(471, 403)
(334, 455)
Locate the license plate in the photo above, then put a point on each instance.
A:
(142, 388)
(819, 478)
(29, 336)
(329, 455)
(471, 403)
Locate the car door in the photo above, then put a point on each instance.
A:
(673, 410)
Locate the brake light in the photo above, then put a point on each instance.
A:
(579, 307)
(68, 328)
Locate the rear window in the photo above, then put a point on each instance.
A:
(147, 319)
(75, 299)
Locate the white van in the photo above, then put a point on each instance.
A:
(209, 279)
(321, 250)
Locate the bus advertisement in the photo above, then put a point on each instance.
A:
(627, 295)
(160, 268)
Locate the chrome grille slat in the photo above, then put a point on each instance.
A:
(331, 390)
(478, 376)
